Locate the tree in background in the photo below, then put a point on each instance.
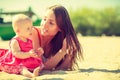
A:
(93, 22)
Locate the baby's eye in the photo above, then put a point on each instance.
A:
(44, 19)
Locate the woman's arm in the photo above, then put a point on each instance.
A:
(66, 64)
(54, 60)
(66, 56)
(35, 39)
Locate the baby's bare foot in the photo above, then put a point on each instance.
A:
(36, 71)
(27, 73)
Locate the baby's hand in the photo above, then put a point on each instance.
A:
(33, 53)
(40, 51)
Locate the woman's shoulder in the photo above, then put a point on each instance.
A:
(36, 29)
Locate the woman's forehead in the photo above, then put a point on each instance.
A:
(50, 14)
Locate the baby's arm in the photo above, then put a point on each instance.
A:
(18, 53)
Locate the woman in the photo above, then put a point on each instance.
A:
(58, 39)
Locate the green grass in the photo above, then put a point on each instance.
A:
(6, 31)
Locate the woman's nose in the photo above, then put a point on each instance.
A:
(44, 24)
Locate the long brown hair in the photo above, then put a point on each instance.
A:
(67, 31)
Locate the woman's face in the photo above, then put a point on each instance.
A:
(48, 25)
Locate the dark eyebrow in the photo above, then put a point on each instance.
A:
(49, 19)
(52, 20)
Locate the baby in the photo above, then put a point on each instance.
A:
(21, 58)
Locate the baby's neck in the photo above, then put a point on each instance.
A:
(22, 38)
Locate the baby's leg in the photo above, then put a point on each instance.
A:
(27, 73)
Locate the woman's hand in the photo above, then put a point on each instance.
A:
(64, 46)
(40, 51)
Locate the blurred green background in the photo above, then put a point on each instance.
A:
(89, 17)
(97, 22)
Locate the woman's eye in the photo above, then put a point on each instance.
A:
(51, 23)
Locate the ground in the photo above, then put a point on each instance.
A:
(101, 62)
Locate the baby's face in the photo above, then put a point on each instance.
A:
(26, 29)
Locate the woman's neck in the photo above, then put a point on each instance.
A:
(45, 40)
